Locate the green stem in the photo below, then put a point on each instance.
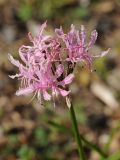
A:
(76, 133)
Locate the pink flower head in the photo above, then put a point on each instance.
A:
(41, 80)
(77, 49)
(44, 71)
(39, 74)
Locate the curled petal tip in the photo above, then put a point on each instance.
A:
(14, 76)
(30, 37)
(59, 32)
(24, 91)
(13, 61)
(68, 79)
(73, 26)
(82, 28)
(60, 70)
(94, 34)
(46, 96)
(63, 92)
(105, 52)
(68, 102)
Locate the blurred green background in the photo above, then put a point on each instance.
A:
(27, 131)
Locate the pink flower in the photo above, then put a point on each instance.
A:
(76, 47)
(39, 74)
(44, 71)
(41, 80)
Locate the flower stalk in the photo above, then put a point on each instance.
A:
(76, 133)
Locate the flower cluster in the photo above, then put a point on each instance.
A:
(47, 66)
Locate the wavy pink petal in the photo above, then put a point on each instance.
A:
(102, 54)
(59, 70)
(14, 76)
(68, 79)
(72, 28)
(59, 32)
(93, 38)
(13, 61)
(23, 52)
(63, 92)
(82, 35)
(46, 96)
(25, 91)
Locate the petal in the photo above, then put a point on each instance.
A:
(30, 37)
(23, 52)
(102, 54)
(59, 32)
(45, 38)
(14, 76)
(68, 79)
(42, 27)
(37, 38)
(82, 35)
(46, 96)
(93, 38)
(59, 70)
(13, 61)
(88, 59)
(72, 29)
(25, 91)
(63, 92)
